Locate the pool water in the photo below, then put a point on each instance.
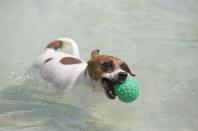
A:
(158, 39)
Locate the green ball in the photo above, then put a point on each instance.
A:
(128, 90)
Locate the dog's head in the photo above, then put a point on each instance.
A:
(107, 70)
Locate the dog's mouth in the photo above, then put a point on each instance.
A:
(108, 86)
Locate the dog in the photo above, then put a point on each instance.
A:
(69, 70)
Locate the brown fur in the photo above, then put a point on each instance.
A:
(125, 67)
(57, 44)
(70, 60)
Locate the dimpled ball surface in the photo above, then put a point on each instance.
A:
(128, 90)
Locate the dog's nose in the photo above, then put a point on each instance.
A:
(122, 76)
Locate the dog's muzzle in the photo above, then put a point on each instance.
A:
(108, 84)
(122, 76)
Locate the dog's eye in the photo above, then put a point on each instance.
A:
(107, 65)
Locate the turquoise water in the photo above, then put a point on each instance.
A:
(158, 39)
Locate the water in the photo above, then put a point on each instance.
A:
(157, 38)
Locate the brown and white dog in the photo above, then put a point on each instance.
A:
(68, 70)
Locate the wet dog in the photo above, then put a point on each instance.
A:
(69, 70)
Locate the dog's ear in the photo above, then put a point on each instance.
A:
(126, 68)
(95, 52)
